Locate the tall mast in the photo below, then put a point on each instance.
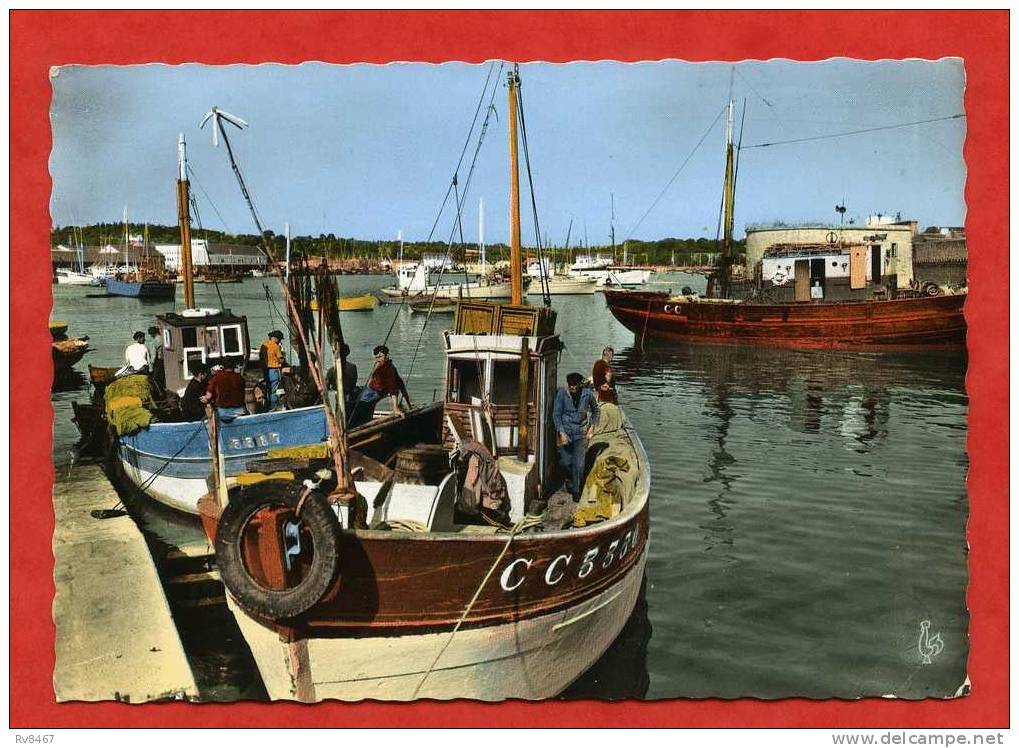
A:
(481, 235)
(516, 288)
(728, 205)
(184, 219)
(612, 228)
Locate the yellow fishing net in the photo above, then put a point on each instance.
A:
(129, 403)
(613, 478)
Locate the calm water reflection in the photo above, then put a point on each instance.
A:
(808, 509)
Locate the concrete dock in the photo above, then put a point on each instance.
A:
(116, 638)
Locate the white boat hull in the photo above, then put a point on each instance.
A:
(564, 287)
(71, 278)
(536, 658)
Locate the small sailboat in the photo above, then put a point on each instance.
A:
(139, 282)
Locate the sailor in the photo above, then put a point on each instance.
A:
(384, 380)
(271, 355)
(350, 389)
(136, 355)
(225, 390)
(155, 346)
(574, 414)
(603, 377)
(192, 406)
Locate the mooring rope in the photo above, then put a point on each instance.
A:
(521, 525)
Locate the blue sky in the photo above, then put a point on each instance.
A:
(369, 150)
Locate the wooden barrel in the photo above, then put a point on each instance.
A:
(422, 464)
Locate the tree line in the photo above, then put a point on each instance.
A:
(690, 251)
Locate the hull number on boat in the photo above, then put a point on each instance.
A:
(250, 442)
(580, 565)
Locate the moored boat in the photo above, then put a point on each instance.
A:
(66, 353)
(360, 303)
(563, 285)
(141, 288)
(871, 316)
(479, 578)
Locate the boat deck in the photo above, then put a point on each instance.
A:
(113, 624)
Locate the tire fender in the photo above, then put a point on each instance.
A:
(316, 517)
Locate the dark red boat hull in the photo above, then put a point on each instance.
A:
(897, 324)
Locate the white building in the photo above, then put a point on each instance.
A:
(213, 254)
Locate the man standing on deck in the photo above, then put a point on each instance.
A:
(155, 346)
(225, 390)
(136, 355)
(574, 414)
(604, 378)
(271, 355)
(192, 406)
(384, 380)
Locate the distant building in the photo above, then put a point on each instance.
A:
(214, 255)
(940, 255)
(888, 241)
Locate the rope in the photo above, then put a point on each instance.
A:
(518, 527)
(856, 132)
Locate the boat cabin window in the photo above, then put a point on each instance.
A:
(189, 337)
(167, 339)
(231, 343)
(212, 341)
(506, 382)
(465, 380)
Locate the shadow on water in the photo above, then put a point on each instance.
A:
(620, 673)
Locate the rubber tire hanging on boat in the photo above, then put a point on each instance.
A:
(317, 518)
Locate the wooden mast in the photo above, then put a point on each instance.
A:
(516, 287)
(728, 207)
(184, 218)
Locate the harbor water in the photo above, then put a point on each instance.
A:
(808, 509)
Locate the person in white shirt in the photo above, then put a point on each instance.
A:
(136, 355)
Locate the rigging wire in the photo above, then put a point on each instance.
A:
(543, 276)
(856, 132)
(674, 176)
(194, 176)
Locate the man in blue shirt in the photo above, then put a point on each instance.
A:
(574, 413)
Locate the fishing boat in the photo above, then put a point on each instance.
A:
(167, 460)
(142, 281)
(350, 580)
(68, 352)
(361, 303)
(870, 317)
(67, 277)
(58, 329)
(564, 285)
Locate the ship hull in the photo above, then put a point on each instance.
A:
(898, 324)
(532, 658)
(140, 290)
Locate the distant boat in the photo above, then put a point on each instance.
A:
(564, 285)
(67, 277)
(362, 303)
(439, 306)
(66, 353)
(58, 329)
(141, 289)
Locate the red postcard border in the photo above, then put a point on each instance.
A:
(42, 39)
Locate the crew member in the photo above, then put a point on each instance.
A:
(574, 414)
(384, 380)
(155, 346)
(136, 355)
(270, 353)
(604, 378)
(225, 390)
(192, 406)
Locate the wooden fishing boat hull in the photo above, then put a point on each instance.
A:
(58, 330)
(72, 278)
(426, 307)
(141, 289)
(897, 324)
(533, 657)
(170, 461)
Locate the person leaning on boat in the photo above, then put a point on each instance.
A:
(603, 377)
(155, 346)
(270, 354)
(351, 391)
(574, 414)
(225, 390)
(384, 380)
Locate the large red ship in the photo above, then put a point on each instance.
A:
(797, 302)
(901, 323)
